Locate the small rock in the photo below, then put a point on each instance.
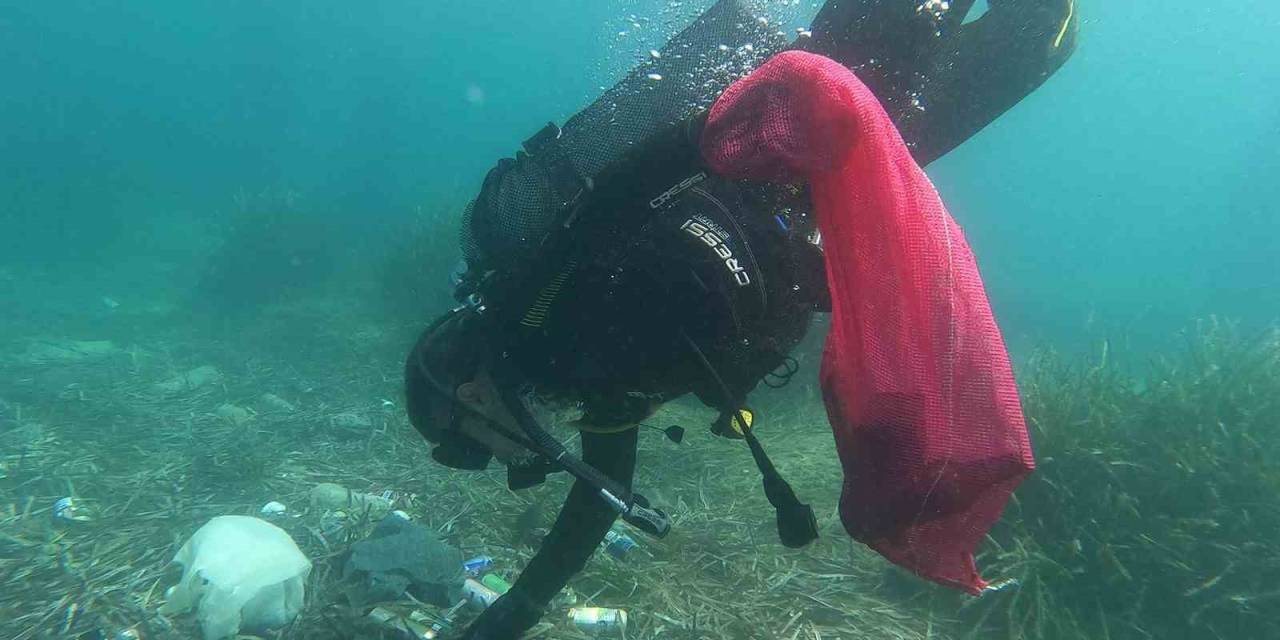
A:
(189, 381)
(276, 402)
(233, 414)
(352, 421)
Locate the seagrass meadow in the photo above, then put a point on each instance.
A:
(1152, 514)
(224, 225)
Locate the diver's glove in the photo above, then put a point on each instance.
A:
(507, 618)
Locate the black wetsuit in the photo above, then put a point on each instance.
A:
(614, 338)
(615, 330)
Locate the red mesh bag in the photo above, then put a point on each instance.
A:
(917, 383)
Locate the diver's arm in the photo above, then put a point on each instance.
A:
(578, 531)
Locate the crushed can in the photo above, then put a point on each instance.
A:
(599, 621)
(478, 595)
(409, 627)
(67, 510)
(618, 544)
(477, 565)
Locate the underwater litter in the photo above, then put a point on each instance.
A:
(1145, 488)
(175, 446)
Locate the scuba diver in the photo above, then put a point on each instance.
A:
(610, 267)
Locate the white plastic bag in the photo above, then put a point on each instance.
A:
(239, 573)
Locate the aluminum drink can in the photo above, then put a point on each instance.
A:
(66, 509)
(477, 565)
(479, 595)
(618, 544)
(599, 621)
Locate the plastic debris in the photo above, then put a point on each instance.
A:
(599, 621)
(402, 557)
(67, 509)
(274, 508)
(1001, 585)
(335, 497)
(189, 381)
(411, 626)
(239, 573)
(496, 582)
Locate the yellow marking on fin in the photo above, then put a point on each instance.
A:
(1062, 33)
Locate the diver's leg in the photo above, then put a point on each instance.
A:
(986, 67)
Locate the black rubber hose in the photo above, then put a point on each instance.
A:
(632, 507)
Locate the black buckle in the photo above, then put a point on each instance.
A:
(544, 146)
(539, 141)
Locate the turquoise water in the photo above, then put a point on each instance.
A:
(1131, 193)
(1131, 196)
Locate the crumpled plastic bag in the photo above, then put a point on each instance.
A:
(239, 573)
(401, 556)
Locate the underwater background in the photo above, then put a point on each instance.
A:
(273, 189)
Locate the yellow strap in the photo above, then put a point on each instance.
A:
(1062, 33)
